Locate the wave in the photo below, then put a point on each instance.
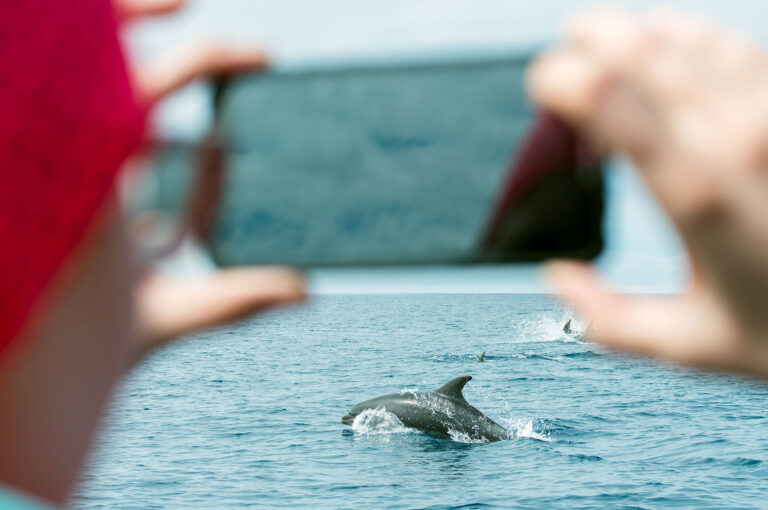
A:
(450, 358)
(583, 354)
(580, 457)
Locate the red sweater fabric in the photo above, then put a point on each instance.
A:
(68, 120)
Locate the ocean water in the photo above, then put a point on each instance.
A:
(248, 416)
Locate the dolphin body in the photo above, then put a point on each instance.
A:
(439, 413)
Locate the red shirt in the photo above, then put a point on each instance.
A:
(68, 119)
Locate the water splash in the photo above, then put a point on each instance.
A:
(524, 428)
(378, 422)
(463, 437)
(578, 329)
(546, 329)
(517, 429)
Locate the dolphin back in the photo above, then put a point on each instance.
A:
(440, 413)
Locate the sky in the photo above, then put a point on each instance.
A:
(643, 253)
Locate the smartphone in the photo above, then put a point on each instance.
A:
(438, 162)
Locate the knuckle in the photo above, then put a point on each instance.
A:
(703, 203)
(748, 151)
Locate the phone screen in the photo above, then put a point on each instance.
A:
(388, 165)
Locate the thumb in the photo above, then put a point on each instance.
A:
(647, 325)
(169, 307)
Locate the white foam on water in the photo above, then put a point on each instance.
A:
(378, 422)
(524, 428)
(546, 329)
(463, 437)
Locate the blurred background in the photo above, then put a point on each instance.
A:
(642, 254)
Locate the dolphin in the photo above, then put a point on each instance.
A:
(567, 329)
(481, 358)
(442, 413)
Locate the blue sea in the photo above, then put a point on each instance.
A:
(248, 416)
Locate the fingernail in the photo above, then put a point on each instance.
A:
(566, 82)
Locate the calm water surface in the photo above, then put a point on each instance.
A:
(248, 416)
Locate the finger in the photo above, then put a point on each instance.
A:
(681, 29)
(727, 74)
(681, 76)
(177, 68)
(611, 35)
(661, 49)
(713, 49)
(654, 64)
(691, 329)
(568, 83)
(131, 9)
(662, 327)
(574, 85)
(641, 99)
(660, 71)
(170, 307)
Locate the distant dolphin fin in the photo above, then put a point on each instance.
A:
(481, 358)
(453, 387)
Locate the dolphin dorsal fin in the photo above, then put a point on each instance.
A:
(453, 387)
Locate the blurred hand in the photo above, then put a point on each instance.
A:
(688, 103)
(169, 307)
(179, 66)
(81, 336)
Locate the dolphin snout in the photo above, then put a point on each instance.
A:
(348, 419)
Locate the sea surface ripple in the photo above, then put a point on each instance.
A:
(248, 416)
